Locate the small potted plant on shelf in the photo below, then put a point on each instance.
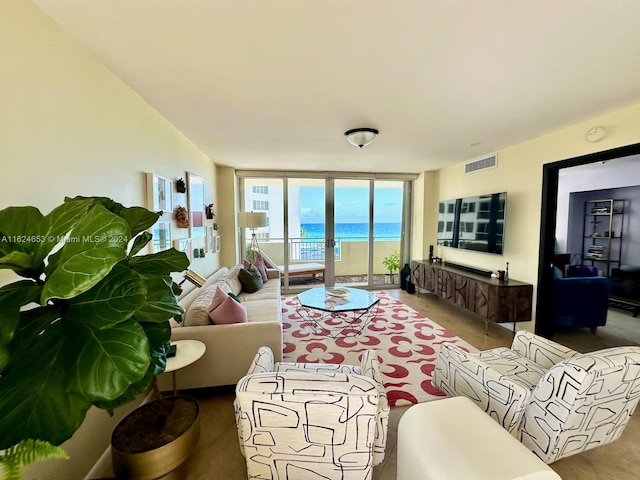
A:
(392, 264)
(88, 322)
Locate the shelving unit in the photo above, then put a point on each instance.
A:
(602, 232)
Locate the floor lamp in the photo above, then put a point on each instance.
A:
(253, 220)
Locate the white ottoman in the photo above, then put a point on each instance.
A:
(453, 439)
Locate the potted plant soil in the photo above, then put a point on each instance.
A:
(155, 440)
(88, 321)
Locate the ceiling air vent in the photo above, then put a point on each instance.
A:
(481, 164)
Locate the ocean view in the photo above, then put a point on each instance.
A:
(354, 231)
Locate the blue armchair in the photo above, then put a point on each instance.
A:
(580, 302)
(581, 271)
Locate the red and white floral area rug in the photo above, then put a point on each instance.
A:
(406, 341)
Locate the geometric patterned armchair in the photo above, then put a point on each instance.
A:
(311, 420)
(556, 401)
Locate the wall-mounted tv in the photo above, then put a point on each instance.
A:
(473, 223)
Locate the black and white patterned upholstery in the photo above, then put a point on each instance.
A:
(310, 420)
(582, 403)
(554, 400)
(540, 350)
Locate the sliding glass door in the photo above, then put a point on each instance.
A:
(330, 230)
(306, 248)
(388, 208)
(352, 233)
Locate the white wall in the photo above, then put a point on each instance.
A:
(69, 127)
(519, 173)
(599, 176)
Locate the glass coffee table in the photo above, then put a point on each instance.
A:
(337, 312)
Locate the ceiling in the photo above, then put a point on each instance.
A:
(275, 84)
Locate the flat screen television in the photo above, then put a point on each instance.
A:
(473, 223)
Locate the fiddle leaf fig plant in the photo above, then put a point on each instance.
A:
(88, 322)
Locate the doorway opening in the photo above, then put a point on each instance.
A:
(555, 247)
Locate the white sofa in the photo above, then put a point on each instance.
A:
(230, 348)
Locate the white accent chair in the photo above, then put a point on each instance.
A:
(452, 439)
(311, 420)
(556, 401)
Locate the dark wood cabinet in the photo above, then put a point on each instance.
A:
(494, 300)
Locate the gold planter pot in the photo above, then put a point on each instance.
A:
(168, 462)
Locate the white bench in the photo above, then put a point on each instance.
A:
(453, 439)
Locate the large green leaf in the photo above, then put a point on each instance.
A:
(138, 218)
(60, 221)
(114, 299)
(18, 238)
(95, 245)
(130, 394)
(33, 400)
(101, 364)
(32, 323)
(20, 262)
(12, 297)
(159, 335)
(161, 263)
(161, 304)
(17, 221)
(27, 237)
(139, 243)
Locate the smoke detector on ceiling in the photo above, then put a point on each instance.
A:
(596, 134)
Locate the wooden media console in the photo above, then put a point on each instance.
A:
(494, 300)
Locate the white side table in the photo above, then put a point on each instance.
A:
(187, 352)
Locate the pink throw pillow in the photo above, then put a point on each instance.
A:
(229, 311)
(219, 297)
(259, 264)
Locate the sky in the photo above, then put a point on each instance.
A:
(351, 205)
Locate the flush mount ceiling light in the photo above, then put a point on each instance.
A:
(361, 136)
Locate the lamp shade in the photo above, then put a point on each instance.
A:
(252, 219)
(361, 137)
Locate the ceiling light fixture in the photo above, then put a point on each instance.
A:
(361, 137)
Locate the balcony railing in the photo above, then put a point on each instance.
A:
(304, 250)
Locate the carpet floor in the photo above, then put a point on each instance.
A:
(406, 342)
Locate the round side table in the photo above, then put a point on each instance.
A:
(187, 352)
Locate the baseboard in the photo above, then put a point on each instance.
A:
(466, 268)
(101, 466)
